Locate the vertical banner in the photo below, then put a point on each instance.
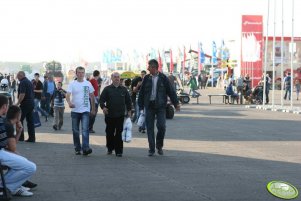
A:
(201, 57)
(252, 47)
(146, 62)
(171, 62)
(160, 62)
(184, 62)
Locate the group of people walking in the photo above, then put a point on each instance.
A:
(83, 98)
(115, 101)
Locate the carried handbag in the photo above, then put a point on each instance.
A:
(141, 120)
(36, 119)
(127, 130)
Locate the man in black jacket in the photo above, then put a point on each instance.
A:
(114, 99)
(153, 98)
(26, 102)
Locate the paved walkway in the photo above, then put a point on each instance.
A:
(212, 152)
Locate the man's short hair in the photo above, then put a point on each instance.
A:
(3, 100)
(96, 73)
(143, 71)
(153, 63)
(79, 68)
(12, 112)
(37, 74)
(115, 73)
(22, 73)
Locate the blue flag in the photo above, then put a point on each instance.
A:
(224, 53)
(214, 50)
(202, 54)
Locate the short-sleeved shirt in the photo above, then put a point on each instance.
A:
(26, 87)
(80, 92)
(10, 130)
(38, 85)
(95, 86)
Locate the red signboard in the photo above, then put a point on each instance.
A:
(252, 47)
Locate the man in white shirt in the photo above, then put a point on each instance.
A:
(81, 91)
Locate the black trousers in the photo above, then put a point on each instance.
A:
(114, 129)
(27, 112)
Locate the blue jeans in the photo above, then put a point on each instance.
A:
(47, 102)
(287, 92)
(84, 119)
(38, 108)
(150, 115)
(20, 169)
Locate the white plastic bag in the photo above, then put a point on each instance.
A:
(141, 120)
(127, 130)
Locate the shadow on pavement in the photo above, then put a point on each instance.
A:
(176, 176)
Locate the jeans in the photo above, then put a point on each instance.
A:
(20, 169)
(12, 92)
(84, 119)
(38, 108)
(58, 119)
(27, 112)
(287, 91)
(47, 102)
(93, 117)
(114, 129)
(150, 114)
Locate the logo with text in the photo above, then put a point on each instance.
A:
(282, 190)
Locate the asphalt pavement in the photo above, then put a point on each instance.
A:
(212, 152)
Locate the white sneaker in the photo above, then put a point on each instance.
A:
(22, 192)
(25, 188)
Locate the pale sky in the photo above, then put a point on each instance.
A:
(66, 30)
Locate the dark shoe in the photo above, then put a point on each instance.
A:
(29, 184)
(21, 139)
(160, 151)
(30, 140)
(109, 152)
(78, 153)
(151, 153)
(118, 155)
(87, 152)
(54, 127)
(91, 131)
(140, 130)
(46, 118)
(143, 131)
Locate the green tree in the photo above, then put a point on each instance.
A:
(27, 68)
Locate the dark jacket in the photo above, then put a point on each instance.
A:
(164, 89)
(116, 99)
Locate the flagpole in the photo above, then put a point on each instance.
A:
(183, 68)
(266, 54)
(273, 52)
(282, 59)
(292, 54)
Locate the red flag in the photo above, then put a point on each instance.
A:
(184, 62)
(146, 62)
(160, 62)
(171, 62)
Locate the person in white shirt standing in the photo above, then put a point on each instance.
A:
(81, 91)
